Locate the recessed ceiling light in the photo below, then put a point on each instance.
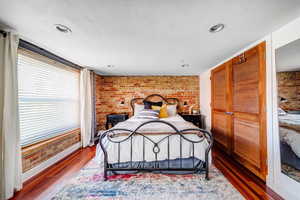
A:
(216, 28)
(62, 28)
(185, 65)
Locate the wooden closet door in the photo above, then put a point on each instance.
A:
(221, 106)
(249, 113)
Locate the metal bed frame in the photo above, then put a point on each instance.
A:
(202, 134)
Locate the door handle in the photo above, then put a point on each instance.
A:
(229, 113)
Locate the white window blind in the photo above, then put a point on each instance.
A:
(48, 100)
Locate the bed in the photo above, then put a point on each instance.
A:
(289, 128)
(167, 145)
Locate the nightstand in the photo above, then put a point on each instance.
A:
(196, 119)
(114, 118)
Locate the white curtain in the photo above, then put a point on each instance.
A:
(86, 114)
(11, 167)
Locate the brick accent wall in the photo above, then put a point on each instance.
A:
(289, 88)
(35, 154)
(111, 90)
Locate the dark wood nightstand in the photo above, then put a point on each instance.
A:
(196, 119)
(114, 118)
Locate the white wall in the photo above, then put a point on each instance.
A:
(283, 185)
(205, 92)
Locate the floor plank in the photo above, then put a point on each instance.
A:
(47, 183)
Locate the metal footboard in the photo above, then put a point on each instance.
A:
(202, 134)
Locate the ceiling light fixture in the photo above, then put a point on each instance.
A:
(110, 66)
(216, 28)
(62, 28)
(185, 65)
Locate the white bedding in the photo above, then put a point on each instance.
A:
(290, 131)
(291, 121)
(164, 130)
(292, 138)
(133, 122)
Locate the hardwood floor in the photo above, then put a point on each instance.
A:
(48, 182)
(242, 179)
(45, 184)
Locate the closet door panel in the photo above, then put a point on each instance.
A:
(246, 141)
(249, 137)
(245, 84)
(221, 106)
(246, 98)
(221, 132)
(219, 90)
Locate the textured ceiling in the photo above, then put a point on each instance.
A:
(146, 37)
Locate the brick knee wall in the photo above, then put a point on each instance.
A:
(36, 154)
(111, 90)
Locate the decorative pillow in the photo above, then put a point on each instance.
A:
(148, 114)
(163, 112)
(156, 108)
(172, 110)
(149, 104)
(138, 108)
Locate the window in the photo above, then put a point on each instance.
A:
(48, 98)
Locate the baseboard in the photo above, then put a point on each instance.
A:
(44, 165)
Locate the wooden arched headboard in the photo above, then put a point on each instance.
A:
(155, 98)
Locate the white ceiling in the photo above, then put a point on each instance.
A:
(146, 37)
(288, 57)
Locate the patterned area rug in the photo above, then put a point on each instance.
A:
(89, 185)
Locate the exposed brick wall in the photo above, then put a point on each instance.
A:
(111, 90)
(38, 153)
(289, 88)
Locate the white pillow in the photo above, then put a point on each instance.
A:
(138, 108)
(292, 138)
(148, 114)
(172, 110)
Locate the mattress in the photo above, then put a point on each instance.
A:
(155, 132)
